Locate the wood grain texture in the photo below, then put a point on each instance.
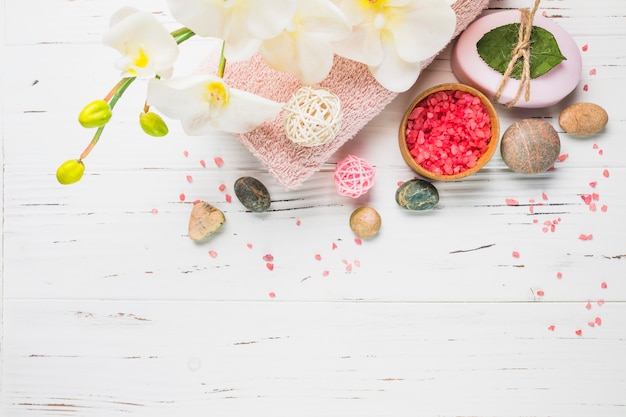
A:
(470, 309)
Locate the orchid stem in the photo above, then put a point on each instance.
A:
(222, 64)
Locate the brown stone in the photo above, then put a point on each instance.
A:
(530, 146)
(583, 119)
(205, 220)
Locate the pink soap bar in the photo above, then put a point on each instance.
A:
(549, 89)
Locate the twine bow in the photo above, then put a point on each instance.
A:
(521, 50)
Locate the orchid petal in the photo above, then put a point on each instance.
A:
(303, 50)
(147, 48)
(241, 24)
(394, 73)
(427, 19)
(245, 112)
(204, 103)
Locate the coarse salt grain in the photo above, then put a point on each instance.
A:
(448, 132)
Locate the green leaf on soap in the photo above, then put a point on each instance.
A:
(496, 49)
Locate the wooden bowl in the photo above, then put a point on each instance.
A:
(482, 160)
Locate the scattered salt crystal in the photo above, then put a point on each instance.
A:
(583, 236)
(268, 257)
(218, 161)
(318, 257)
(606, 173)
(270, 266)
(551, 327)
(588, 305)
(511, 202)
(586, 87)
(325, 273)
(540, 293)
(592, 71)
(189, 178)
(358, 241)
(222, 187)
(154, 211)
(579, 332)
(212, 254)
(185, 154)
(604, 208)
(272, 294)
(562, 157)
(593, 184)
(559, 275)
(603, 285)
(598, 321)
(229, 198)
(202, 163)
(544, 196)
(181, 197)
(515, 254)
(600, 303)
(585, 48)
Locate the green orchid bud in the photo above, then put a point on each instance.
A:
(95, 114)
(70, 171)
(153, 124)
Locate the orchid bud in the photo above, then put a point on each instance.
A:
(70, 171)
(153, 124)
(95, 114)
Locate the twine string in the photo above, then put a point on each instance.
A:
(521, 50)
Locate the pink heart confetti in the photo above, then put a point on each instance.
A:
(270, 266)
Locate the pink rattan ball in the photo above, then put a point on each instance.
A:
(354, 176)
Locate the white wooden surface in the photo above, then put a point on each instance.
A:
(108, 309)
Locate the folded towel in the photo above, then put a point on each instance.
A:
(362, 98)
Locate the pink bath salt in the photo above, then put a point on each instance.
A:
(604, 208)
(154, 211)
(585, 48)
(511, 202)
(586, 198)
(249, 245)
(358, 241)
(600, 303)
(592, 71)
(544, 196)
(591, 324)
(559, 275)
(318, 257)
(586, 87)
(593, 184)
(189, 179)
(268, 257)
(552, 327)
(228, 198)
(202, 163)
(185, 154)
(579, 332)
(218, 161)
(595, 146)
(298, 222)
(583, 236)
(325, 273)
(592, 207)
(606, 173)
(562, 157)
(598, 321)
(272, 294)
(212, 254)
(588, 305)
(604, 285)
(182, 197)
(448, 132)
(222, 187)
(269, 266)
(515, 254)
(541, 293)
(334, 246)
(595, 196)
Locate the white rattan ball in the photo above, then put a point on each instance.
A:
(312, 116)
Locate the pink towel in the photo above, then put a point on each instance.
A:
(362, 98)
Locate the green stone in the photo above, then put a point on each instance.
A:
(252, 194)
(417, 194)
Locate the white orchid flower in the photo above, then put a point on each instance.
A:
(241, 24)
(147, 48)
(303, 49)
(392, 37)
(204, 103)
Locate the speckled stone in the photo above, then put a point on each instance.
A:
(583, 119)
(204, 221)
(417, 194)
(252, 194)
(530, 146)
